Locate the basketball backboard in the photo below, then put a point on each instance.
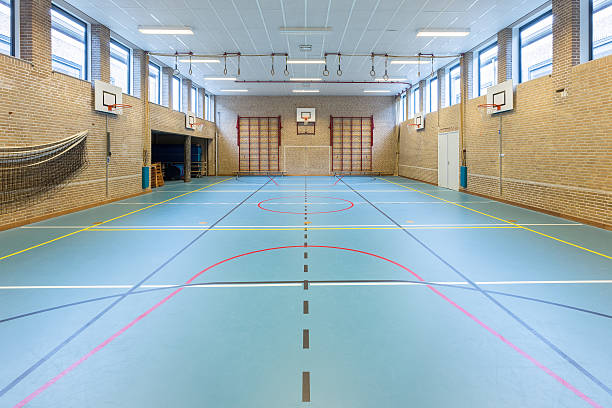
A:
(419, 121)
(190, 120)
(501, 95)
(106, 96)
(306, 115)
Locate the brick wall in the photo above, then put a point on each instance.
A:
(557, 155)
(382, 108)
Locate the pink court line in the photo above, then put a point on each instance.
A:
(273, 180)
(339, 178)
(99, 347)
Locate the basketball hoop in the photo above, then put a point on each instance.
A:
(305, 119)
(197, 125)
(488, 109)
(416, 125)
(118, 106)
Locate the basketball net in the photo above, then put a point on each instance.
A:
(486, 110)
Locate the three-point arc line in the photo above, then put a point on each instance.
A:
(99, 347)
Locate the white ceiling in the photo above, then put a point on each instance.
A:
(358, 26)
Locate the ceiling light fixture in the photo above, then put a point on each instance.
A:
(220, 79)
(376, 91)
(443, 32)
(196, 60)
(176, 30)
(306, 61)
(233, 90)
(305, 30)
(305, 91)
(305, 79)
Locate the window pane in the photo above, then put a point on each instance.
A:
(487, 73)
(194, 101)
(68, 44)
(602, 28)
(433, 95)
(536, 49)
(120, 66)
(455, 85)
(176, 93)
(154, 80)
(6, 27)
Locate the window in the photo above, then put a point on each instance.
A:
(176, 93)
(194, 101)
(154, 82)
(120, 66)
(209, 107)
(402, 108)
(454, 85)
(433, 95)
(68, 44)
(415, 102)
(535, 56)
(7, 27)
(601, 28)
(487, 68)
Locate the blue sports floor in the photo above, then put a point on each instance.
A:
(306, 291)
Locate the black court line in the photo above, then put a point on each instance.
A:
(510, 313)
(365, 281)
(57, 348)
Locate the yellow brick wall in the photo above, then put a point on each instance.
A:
(316, 155)
(558, 151)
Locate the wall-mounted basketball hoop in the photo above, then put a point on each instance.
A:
(306, 121)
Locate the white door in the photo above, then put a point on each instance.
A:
(442, 166)
(452, 157)
(448, 160)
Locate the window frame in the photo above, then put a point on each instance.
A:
(194, 100)
(55, 7)
(178, 100)
(429, 99)
(450, 83)
(482, 51)
(525, 26)
(592, 12)
(159, 75)
(402, 107)
(13, 28)
(129, 62)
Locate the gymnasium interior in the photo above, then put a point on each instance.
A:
(306, 203)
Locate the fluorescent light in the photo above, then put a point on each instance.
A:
(165, 30)
(443, 32)
(195, 60)
(305, 91)
(233, 90)
(305, 61)
(305, 79)
(391, 79)
(376, 91)
(305, 30)
(410, 61)
(220, 79)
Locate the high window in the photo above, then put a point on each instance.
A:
(535, 51)
(154, 83)
(120, 66)
(601, 28)
(416, 99)
(454, 85)
(68, 44)
(194, 101)
(209, 107)
(432, 101)
(402, 108)
(176, 93)
(7, 27)
(487, 68)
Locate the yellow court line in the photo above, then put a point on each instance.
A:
(296, 229)
(104, 222)
(501, 219)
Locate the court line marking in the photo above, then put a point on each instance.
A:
(293, 229)
(104, 222)
(99, 315)
(242, 284)
(509, 312)
(356, 202)
(503, 220)
(471, 316)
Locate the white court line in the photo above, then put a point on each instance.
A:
(252, 285)
(301, 203)
(302, 191)
(284, 226)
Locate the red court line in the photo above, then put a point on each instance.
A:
(273, 180)
(99, 347)
(339, 178)
(304, 213)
